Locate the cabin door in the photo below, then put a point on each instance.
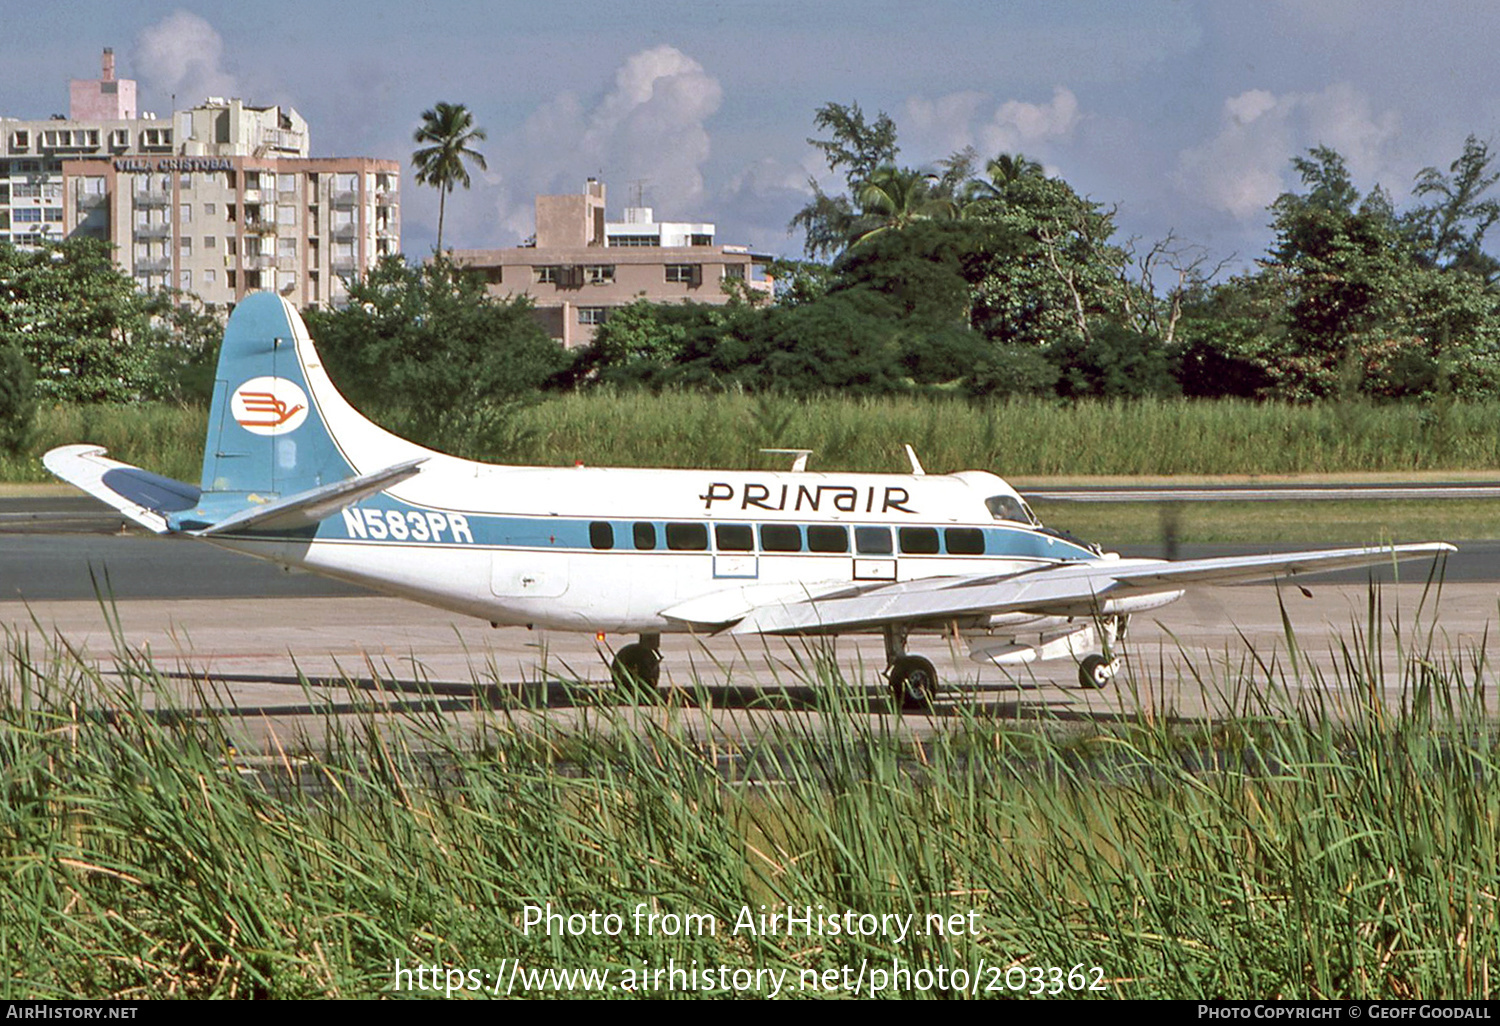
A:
(874, 554)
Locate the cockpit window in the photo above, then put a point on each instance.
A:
(1008, 507)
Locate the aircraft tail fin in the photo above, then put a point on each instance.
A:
(278, 427)
(284, 448)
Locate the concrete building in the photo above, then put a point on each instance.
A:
(220, 200)
(580, 265)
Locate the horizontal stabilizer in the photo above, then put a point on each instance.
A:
(307, 508)
(144, 497)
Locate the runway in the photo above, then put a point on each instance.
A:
(258, 636)
(1206, 655)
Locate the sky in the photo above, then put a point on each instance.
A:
(1181, 115)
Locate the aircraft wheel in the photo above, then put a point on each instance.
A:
(636, 667)
(1096, 671)
(914, 683)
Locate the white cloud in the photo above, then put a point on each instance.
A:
(953, 121)
(650, 127)
(182, 55)
(1243, 168)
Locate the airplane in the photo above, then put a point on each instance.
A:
(294, 474)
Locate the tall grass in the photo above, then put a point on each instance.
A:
(1333, 847)
(1019, 439)
(164, 438)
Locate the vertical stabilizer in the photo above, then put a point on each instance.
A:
(267, 436)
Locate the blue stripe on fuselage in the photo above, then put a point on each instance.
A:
(385, 520)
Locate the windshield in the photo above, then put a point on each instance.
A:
(1008, 507)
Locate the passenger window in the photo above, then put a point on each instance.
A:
(919, 541)
(734, 537)
(645, 536)
(601, 535)
(827, 538)
(780, 538)
(687, 537)
(964, 541)
(873, 541)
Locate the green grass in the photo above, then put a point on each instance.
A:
(1014, 439)
(1320, 523)
(160, 437)
(1307, 847)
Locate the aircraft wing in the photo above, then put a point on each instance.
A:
(1065, 589)
(144, 497)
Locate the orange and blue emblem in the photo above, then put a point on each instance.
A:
(269, 406)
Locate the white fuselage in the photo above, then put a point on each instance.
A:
(596, 549)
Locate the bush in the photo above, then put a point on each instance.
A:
(1115, 363)
(17, 400)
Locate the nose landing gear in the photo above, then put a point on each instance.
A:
(1095, 671)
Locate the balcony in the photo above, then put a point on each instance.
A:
(151, 199)
(153, 231)
(344, 197)
(155, 265)
(259, 226)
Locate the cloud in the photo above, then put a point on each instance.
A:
(953, 121)
(181, 55)
(650, 128)
(1242, 169)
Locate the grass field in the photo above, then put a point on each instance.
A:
(1016, 440)
(1030, 442)
(1292, 851)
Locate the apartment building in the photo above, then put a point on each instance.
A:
(220, 200)
(580, 265)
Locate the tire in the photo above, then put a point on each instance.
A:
(914, 683)
(1095, 672)
(636, 668)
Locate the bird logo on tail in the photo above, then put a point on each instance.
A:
(269, 406)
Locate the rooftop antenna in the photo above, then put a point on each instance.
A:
(638, 191)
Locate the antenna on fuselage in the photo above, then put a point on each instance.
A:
(800, 463)
(916, 464)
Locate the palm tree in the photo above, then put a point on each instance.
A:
(894, 197)
(1004, 171)
(449, 128)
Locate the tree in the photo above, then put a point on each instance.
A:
(430, 351)
(1051, 270)
(17, 399)
(79, 322)
(1345, 268)
(856, 148)
(897, 197)
(449, 128)
(1449, 232)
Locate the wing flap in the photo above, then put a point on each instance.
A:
(146, 498)
(1066, 589)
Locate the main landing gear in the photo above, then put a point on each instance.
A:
(913, 678)
(1098, 670)
(637, 666)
